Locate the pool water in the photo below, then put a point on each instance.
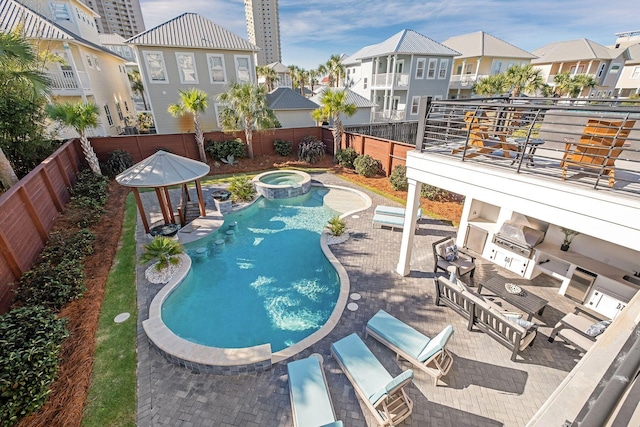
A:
(284, 178)
(269, 282)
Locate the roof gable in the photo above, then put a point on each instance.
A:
(284, 98)
(193, 31)
(352, 98)
(404, 42)
(572, 50)
(481, 44)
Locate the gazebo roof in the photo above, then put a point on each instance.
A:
(162, 169)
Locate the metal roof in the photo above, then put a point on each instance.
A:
(404, 42)
(115, 39)
(162, 169)
(193, 31)
(481, 44)
(284, 98)
(352, 98)
(572, 50)
(279, 67)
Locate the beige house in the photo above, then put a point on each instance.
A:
(186, 52)
(86, 71)
(482, 55)
(629, 80)
(582, 56)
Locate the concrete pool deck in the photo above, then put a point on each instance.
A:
(484, 387)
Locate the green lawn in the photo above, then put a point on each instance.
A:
(112, 395)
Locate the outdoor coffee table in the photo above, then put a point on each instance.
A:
(525, 301)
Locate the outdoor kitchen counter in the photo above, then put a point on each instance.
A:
(576, 259)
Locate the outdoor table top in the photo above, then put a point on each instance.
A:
(526, 301)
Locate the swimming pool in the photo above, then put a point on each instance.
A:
(267, 281)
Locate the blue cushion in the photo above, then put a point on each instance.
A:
(451, 253)
(309, 394)
(437, 344)
(333, 424)
(392, 385)
(366, 371)
(398, 333)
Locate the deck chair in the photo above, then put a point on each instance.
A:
(598, 148)
(429, 355)
(573, 327)
(464, 262)
(310, 400)
(383, 395)
(483, 137)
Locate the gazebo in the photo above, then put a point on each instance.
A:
(160, 171)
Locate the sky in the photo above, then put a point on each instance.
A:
(313, 30)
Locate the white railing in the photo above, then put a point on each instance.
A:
(388, 116)
(67, 79)
(387, 79)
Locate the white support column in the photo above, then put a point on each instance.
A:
(408, 233)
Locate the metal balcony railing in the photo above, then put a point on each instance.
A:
(583, 142)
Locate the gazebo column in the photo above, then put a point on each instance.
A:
(203, 211)
(169, 207)
(163, 205)
(143, 215)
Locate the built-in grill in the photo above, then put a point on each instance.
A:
(518, 238)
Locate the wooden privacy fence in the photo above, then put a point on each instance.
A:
(390, 153)
(28, 211)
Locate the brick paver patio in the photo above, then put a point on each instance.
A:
(484, 388)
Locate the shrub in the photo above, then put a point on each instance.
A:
(337, 226)
(346, 157)
(398, 178)
(241, 189)
(118, 162)
(67, 245)
(438, 194)
(162, 250)
(92, 186)
(31, 338)
(222, 150)
(282, 147)
(367, 166)
(311, 150)
(52, 285)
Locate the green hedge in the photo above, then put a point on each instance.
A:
(367, 166)
(221, 150)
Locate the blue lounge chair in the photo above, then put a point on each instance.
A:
(429, 355)
(384, 395)
(310, 400)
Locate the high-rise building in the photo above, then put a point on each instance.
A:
(123, 17)
(263, 28)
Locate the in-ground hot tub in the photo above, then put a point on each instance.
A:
(282, 184)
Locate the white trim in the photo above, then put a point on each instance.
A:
(444, 67)
(162, 67)
(185, 72)
(433, 61)
(415, 105)
(422, 61)
(239, 71)
(210, 56)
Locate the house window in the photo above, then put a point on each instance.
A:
(108, 113)
(636, 73)
(89, 62)
(243, 69)
(577, 70)
(365, 83)
(431, 72)
(444, 67)
(218, 109)
(187, 68)
(614, 68)
(497, 69)
(154, 62)
(60, 12)
(415, 105)
(217, 72)
(126, 106)
(601, 68)
(119, 111)
(469, 69)
(95, 61)
(458, 70)
(420, 68)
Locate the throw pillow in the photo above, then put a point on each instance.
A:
(451, 253)
(597, 328)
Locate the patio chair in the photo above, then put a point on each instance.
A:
(483, 137)
(383, 395)
(579, 328)
(310, 400)
(429, 355)
(457, 257)
(598, 148)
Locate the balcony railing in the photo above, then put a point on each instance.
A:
(389, 116)
(583, 142)
(389, 79)
(68, 80)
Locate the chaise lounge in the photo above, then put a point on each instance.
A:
(382, 394)
(391, 216)
(429, 355)
(310, 400)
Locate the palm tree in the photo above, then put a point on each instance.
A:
(245, 108)
(332, 104)
(193, 101)
(164, 251)
(18, 68)
(81, 117)
(137, 86)
(491, 85)
(582, 81)
(524, 79)
(312, 78)
(269, 74)
(335, 69)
